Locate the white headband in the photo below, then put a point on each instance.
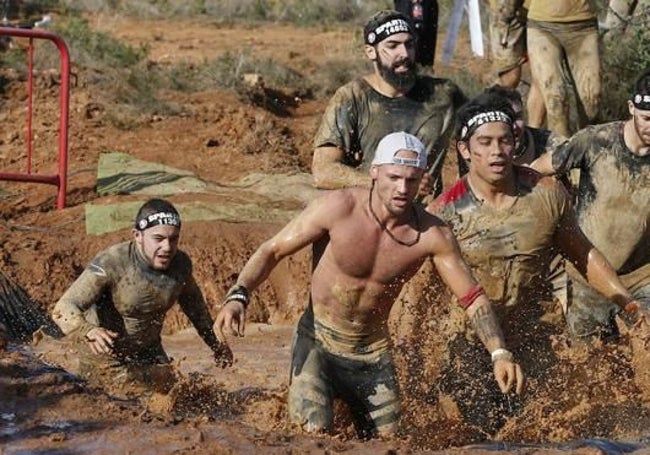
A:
(641, 102)
(482, 118)
(167, 218)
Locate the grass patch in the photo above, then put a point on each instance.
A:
(625, 58)
(96, 49)
(298, 12)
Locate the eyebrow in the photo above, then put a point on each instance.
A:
(397, 41)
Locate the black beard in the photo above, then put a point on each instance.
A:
(401, 81)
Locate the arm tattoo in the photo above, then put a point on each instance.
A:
(487, 326)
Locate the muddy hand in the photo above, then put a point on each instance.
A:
(223, 354)
(508, 375)
(232, 316)
(100, 340)
(641, 328)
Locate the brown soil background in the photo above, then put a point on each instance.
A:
(586, 394)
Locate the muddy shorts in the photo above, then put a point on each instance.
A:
(574, 46)
(508, 42)
(369, 388)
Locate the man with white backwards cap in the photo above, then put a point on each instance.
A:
(509, 222)
(375, 241)
(391, 98)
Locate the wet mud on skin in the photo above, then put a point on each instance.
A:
(583, 396)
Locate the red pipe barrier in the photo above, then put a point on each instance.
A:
(60, 179)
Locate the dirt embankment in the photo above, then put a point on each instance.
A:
(585, 394)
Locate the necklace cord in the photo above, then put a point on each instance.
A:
(385, 228)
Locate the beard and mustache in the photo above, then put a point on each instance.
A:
(403, 80)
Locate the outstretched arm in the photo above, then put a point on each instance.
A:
(69, 311)
(193, 305)
(457, 275)
(543, 164)
(591, 263)
(330, 173)
(303, 230)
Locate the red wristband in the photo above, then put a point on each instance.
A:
(632, 307)
(466, 301)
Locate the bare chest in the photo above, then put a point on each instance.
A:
(372, 254)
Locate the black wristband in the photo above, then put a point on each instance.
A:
(239, 293)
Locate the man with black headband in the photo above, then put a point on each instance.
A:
(510, 222)
(530, 143)
(375, 240)
(118, 304)
(613, 206)
(393, 98)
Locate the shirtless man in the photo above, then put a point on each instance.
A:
(613, 206)
(393, 98)
(377, 239)
(509, 222)
(118, 304)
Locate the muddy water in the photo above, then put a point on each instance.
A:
(590, 399)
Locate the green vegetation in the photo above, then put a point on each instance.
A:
(301, 12)
(625, 59)
(133, 88)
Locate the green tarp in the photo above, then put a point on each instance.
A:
(256, 197)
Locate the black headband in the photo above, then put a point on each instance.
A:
(380, 30)
(480, 119)
(166, 218)
(641, 102)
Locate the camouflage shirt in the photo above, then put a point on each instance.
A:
(358, 116)
(509, 250)
(613, 194)
(120, 292)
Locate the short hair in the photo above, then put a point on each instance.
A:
(484, 103)
(153, 206)
(508, 93)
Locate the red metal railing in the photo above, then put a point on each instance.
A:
(60, 178)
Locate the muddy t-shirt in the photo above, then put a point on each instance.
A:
(509, 249)
(613, 194)
(120, 292)
(358, 117)
(561, 10)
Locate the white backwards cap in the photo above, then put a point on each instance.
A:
(393, 143)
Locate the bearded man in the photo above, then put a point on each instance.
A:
(392, 98)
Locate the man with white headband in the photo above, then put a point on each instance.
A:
(613, 206)
(392, 98)
(118, 304)
(510, 222)
(373, 241)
